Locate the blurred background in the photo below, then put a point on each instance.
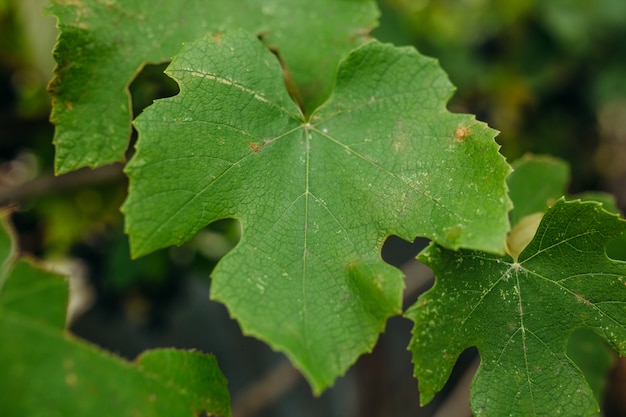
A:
(550, 75)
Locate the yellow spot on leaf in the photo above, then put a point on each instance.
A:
(522, 234)
(71, 379)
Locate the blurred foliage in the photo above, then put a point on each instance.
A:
(77, 216)
(544, 73)
(26, 40)
(593, 357)
(12, 42)
(151, 273)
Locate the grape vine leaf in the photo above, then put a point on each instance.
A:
(316, 197)
(536, 182)
(520, 314)
(46, 371)
(102, 45)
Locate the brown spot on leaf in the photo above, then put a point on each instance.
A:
(461, 133)
(69, 105)
(255, 148)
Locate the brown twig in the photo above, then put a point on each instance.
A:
(264, 392)
(49, 184)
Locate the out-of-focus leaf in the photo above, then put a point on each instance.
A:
(47, 372)
(535, 183)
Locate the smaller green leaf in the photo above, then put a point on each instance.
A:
(535, 183)
(520, 314)
(49, 372)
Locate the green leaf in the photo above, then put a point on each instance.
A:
(316, 197)
(520, 314)
(535, 183)
(46, 371)
(103, 44)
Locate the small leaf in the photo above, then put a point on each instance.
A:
(103, 44)
(48, 372)
(520, 314)
(535, 183)
(316, 197)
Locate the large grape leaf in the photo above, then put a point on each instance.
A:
(316, 197)
(520, 314)
(45, 371)
(103, 44)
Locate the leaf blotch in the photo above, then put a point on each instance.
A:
(254, 147)
(461, 133)
(217, 38)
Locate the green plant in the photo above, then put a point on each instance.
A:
(321, 152)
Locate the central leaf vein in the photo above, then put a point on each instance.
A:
(518, 290)
(305, 249)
